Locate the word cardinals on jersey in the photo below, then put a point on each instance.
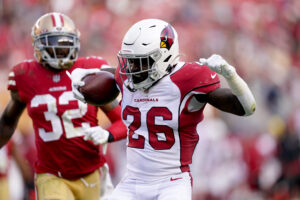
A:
(58, 118)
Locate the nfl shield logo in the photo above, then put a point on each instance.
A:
(56, 78)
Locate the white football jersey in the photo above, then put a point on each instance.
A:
(162, 121)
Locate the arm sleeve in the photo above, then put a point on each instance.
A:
(117, 128)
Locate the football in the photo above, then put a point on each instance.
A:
(99, 88)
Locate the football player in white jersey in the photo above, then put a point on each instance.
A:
(162, 102)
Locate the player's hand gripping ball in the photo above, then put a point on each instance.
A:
(99, 88)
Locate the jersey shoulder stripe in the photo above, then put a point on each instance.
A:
(194, 77)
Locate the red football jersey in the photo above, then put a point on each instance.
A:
(58, 118)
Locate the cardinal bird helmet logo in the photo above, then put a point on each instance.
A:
(167, 37)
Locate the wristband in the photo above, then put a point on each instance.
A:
(118, 130)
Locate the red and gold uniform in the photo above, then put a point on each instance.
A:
(59, 121)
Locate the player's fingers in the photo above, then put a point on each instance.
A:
(69, 75)
(91, 71)
(86, 137)
(100, 138)
(203, 61)
(93, 134)
(78, 83)
(96, 140)
(78, 95)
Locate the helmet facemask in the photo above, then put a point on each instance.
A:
(139, 71)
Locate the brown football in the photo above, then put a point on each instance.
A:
(99, 88)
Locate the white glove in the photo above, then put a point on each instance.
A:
(217, 64)
(76, 78)
(97, 135)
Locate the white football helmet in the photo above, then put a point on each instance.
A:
(55, 40)
(149, 51)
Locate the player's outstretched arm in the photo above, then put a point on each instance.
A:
(10, 117)
(240, 95)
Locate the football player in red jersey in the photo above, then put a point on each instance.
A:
(162, 103)
(67, 135)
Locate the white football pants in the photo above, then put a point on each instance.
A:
(177, 187)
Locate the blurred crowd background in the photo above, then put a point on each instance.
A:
(255, 157)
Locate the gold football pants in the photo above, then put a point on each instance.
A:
(51, 187)
(4, 190)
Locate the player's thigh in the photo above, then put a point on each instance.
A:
(86, 188)
(50, 187)
(176, 189)
(4, 188)
(125, 190)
